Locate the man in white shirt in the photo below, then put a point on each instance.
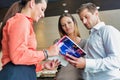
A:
(102, 60)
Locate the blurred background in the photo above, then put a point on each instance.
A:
(47, 29)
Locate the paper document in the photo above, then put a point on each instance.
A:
(60, 58)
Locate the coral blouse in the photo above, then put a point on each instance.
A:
(19, 42)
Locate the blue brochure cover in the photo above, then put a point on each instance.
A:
(66, 45)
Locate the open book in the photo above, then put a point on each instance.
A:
(67, 45)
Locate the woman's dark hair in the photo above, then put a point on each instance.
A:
(15, 8)
(61, 31)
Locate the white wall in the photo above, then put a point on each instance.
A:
(111, 17)
(47, 29)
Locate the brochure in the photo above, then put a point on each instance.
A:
(67, 45)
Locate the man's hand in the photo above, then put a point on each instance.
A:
(77, 62)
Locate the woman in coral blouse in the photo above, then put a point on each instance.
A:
(20, 58)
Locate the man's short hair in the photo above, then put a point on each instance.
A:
(90, 6)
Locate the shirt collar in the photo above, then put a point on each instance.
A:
(30, 19)
(97, 26)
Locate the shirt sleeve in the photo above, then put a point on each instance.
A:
(22, 44)
(111, 61)
(38, 67)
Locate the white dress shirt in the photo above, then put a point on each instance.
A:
(103, 53)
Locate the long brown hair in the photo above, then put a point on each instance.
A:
(15, 8)
(61, 31)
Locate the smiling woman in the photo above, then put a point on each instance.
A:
(19, 54)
